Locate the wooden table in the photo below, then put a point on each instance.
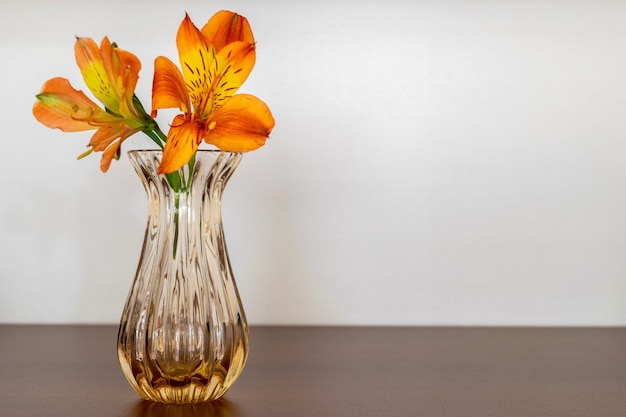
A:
(67, 371)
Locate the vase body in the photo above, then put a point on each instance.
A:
(183, 336)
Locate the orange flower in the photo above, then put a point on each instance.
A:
(111, 75)
(215, 62)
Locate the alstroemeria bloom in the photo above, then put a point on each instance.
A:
(215, 61)
(111, 75)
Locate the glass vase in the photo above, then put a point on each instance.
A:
(183, 335)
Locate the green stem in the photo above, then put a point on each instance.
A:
(151, 132)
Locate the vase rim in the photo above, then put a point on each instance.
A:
(136, 151)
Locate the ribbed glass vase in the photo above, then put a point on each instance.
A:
(183, 336)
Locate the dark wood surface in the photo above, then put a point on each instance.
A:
(67, 371)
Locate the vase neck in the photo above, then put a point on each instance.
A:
(209, 171)
(185, 207)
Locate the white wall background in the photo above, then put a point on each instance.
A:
(434, 162)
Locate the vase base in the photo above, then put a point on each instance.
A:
(192, 390)
(189, 394)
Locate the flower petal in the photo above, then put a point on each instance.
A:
(112, 151)
(123, 70)
(197, 60)
(103, 138)
(122, 67)
(235, 62)
(182, 142)
(60, 106)
(242, 124)
(211, 78)
(225, 27)
(96, 76)
(168, 87)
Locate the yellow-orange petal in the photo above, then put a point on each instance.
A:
(242, 124)
(197, 60)
(97, 79)
(168, 87)
(182, 142)
(122, 67)
(234, 64)
(225, 27)
(60, 106)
